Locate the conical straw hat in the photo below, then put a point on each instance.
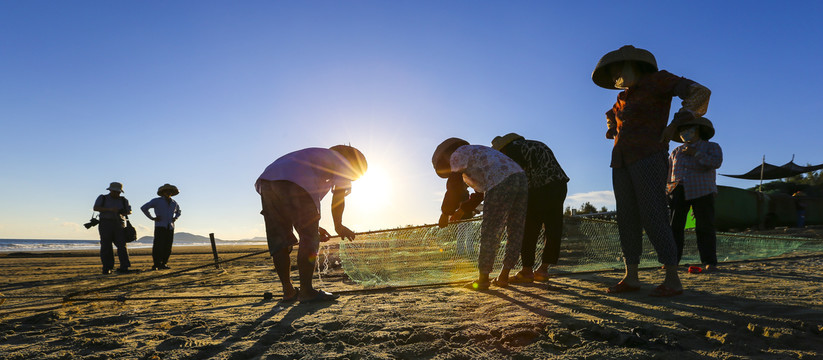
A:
(601, 76)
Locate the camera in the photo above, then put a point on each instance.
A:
(92, 223)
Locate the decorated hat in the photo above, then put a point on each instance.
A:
(603, 78)
(499, 142)
(705, 127)
(440, 159)
(115, 186)
(355, 158)
(168, 187)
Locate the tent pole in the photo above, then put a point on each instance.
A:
(762, 166)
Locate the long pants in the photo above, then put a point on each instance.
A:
(505, 206)
(545, 210)
(640, 193)
(161, 248)
(703, 210)
(111, 232)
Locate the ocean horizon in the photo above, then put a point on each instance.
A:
(41, 245)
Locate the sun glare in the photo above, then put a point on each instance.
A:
(373, 190)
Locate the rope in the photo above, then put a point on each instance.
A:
(83, 292)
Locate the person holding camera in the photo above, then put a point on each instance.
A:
(113, 207)
(166, 212)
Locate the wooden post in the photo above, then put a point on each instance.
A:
(214, 250)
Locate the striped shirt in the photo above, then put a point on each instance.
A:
(696, 173)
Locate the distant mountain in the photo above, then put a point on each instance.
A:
(184, 237)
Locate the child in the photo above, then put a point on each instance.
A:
(505, 187)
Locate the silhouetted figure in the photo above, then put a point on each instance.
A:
(639, 157)
(113, 207)
(166, 213)
(547, 193)
(291, 189)
(692, 184)
(505, 188)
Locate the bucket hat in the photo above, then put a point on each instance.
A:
(356, 159)
(499, 142)
(603, 78)
(170, 187)
(442, 154)
(705, 127)
(115, 186)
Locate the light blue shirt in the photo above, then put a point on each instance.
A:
(165, 212)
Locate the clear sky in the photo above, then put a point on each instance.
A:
(205, 94)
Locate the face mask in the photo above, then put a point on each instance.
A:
(626, 77)
(689, 134)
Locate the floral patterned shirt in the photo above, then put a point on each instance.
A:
(482, 167)
(538, 160)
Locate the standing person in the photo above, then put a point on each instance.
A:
(639, 159)
(166, 212)
(113, 208)
(505, 188)
(547, 193)
(291, 189)
(800, 206)
(692, 183)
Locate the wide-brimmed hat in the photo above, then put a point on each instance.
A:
(168, 187)
(705, 127)
(355, 158)
(603, 78)
(499, 142)
(115, 186)
(442, 154)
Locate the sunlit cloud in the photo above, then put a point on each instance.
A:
(597, 198)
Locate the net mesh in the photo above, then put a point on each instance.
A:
(429, 255)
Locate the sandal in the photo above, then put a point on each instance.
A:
(500, 282)
(477, 285)
(621, 287)
(519, 278)
(665, 291)
(540, 276)
(292, 298)
(320, 296)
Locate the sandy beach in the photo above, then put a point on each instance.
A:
(769, 309)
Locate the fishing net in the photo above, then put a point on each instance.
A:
(428, 254)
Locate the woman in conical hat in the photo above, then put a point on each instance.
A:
(639, 161)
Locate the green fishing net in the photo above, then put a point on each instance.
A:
(423, 255)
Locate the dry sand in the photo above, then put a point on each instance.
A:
(751, 310)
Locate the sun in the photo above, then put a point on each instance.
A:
(372, 190)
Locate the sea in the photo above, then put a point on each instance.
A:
(33, 245)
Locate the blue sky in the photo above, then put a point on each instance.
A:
(205, 94)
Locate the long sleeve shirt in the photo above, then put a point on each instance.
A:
(696, 173)
(166, 211)
(638, 118)
(538, 160)
(478, 166)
